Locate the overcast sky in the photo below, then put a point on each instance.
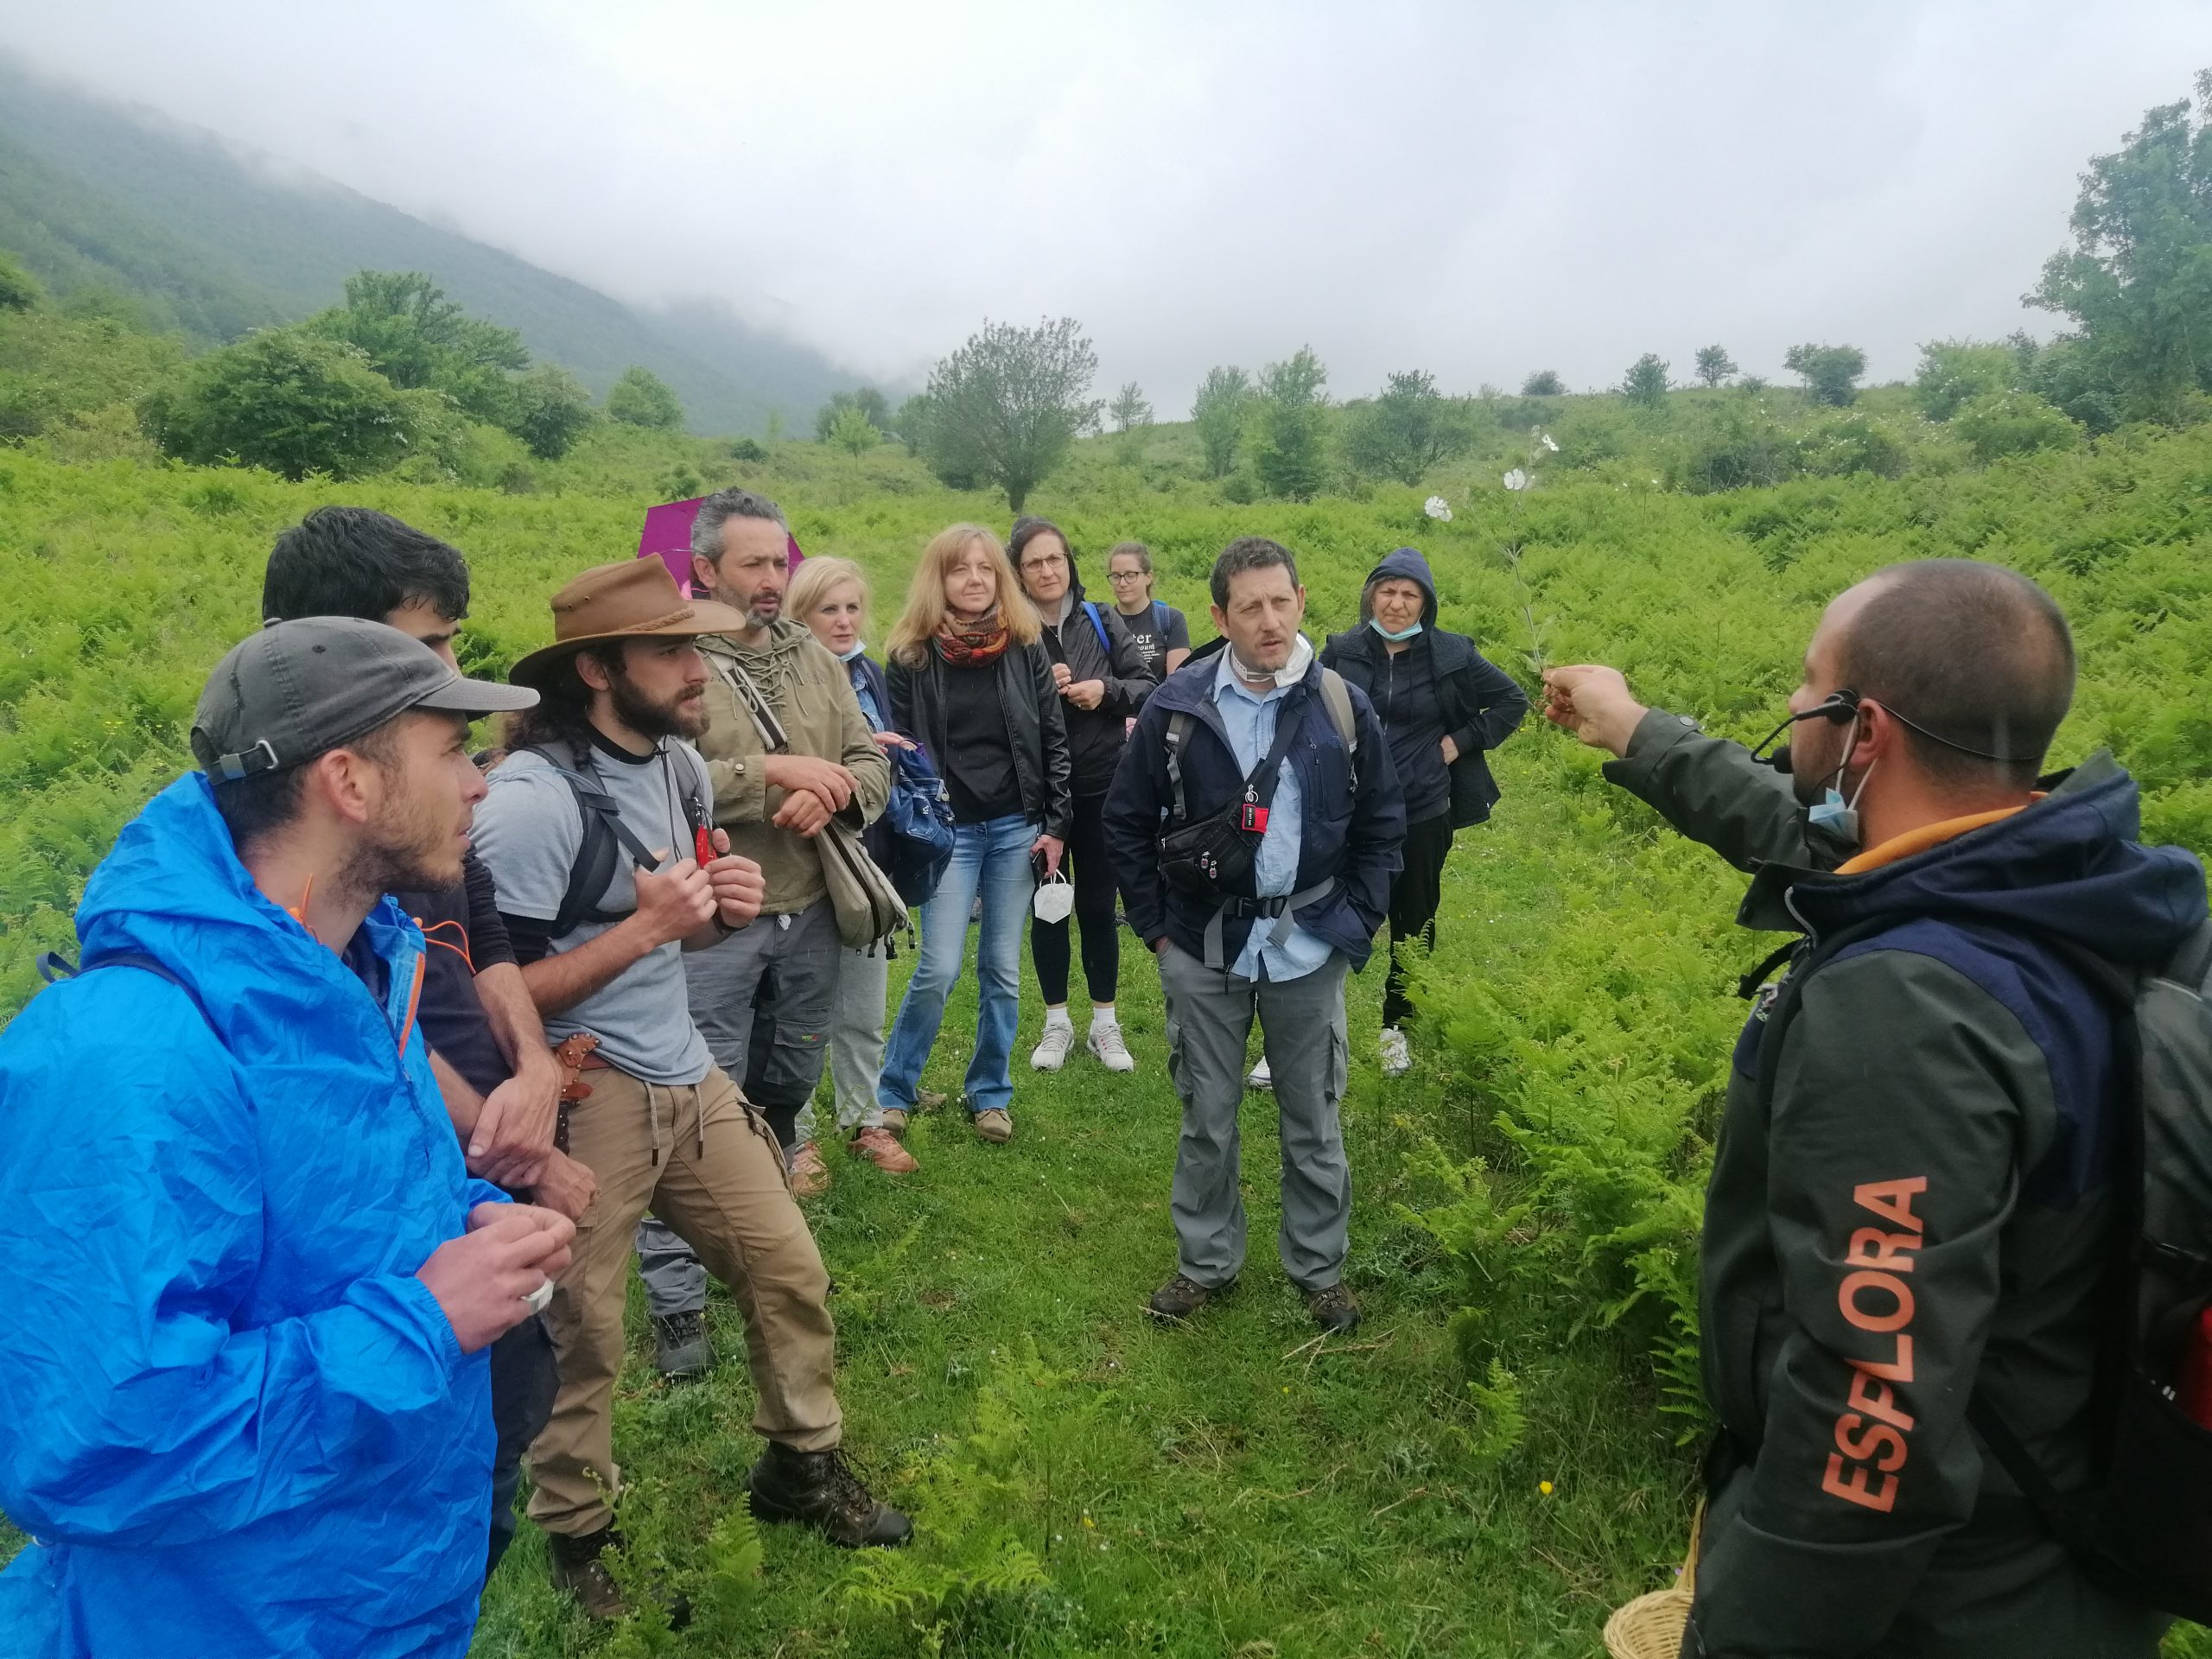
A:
(1479, 191)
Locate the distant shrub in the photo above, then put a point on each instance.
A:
(1954, 371)
(1736, 453)
(751, 451)
(1831, 373)
(552, 411)
(288, 400)
(1856, 443)
(640, 397)
(19, 289)
(1592, 435)
(1545, 383)
(2012, 423)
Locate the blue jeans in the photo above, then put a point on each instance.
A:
(992, 859)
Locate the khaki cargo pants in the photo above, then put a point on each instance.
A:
(709, 1166)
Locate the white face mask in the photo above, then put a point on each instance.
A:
(1054, 899)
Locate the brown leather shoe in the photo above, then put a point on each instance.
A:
(995, 1126)
(810, 1175)
(894, 1121)
(879, 1148)
(578, 1570)
(1182, 1296)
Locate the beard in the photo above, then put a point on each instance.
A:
(684, 714)
(412, 848)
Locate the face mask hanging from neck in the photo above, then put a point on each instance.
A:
(860, 649)
(1376, 623)
(1833, 812)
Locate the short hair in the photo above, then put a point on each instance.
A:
(262, 803)
(1248, 553)
(1976, 660)
(356, 562)
(718, 509)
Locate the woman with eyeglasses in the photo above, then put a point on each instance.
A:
(1102, 681)
(1161, 636)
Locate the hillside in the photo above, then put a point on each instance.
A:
(93, 197)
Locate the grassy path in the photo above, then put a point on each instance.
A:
(1234, 1488)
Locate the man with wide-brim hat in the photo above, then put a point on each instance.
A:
(593, 830)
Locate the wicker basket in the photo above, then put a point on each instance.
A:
(1651, 1626)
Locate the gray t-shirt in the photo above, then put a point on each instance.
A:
(528, 831)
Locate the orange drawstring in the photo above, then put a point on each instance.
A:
(413, 997)
(299, 911)
(430, 936)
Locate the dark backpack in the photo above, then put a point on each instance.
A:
(917, 822)
(606, 838)
(2144, 1532)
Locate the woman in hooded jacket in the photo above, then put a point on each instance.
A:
(1102, 680)
(1443, 706)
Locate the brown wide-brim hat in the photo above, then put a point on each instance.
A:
(636, 599)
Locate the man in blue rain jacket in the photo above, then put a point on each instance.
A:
(248, 1280)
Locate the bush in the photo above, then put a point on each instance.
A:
(2012, 423)
(640, 397)
(552, 411)
(1954, 371)
(1738, 452)
(1857, 443)
(286, 399)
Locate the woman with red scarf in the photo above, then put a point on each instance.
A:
(972, 683)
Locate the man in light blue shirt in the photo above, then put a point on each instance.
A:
(1256, 823)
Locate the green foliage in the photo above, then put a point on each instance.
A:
(1006, 405)
(58, 371)
(2000, 424)
(19, 289)
(641, 397)
(2137, 281)
(1953, 371)
(1545, 383)
(1129, 408)
(1714, 364)
(912, 422)
(874, 408)
(1288, 427)
(293, 401)
(1220, 411)
(552, 411)
(418, 339)
(852, 432)
(1500, 1422)
(1831, 373)
(1645, 384)
(1408, 429)
(1852, 443)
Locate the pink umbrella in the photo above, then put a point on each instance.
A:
(667, 536)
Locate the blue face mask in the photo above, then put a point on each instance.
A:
(859, 646)
(1835, 814)
(1376, 623)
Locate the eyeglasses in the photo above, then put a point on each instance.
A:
(1125, 576)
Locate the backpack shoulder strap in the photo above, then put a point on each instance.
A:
(1099, 623)
(605, 837)
(1178, 733)
(1338, 697)
(53, 968)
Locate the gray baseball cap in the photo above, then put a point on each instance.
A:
(300, 689)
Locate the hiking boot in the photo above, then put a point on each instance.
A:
(1182, 1296)
(1105, 1042)
(820, 1490)
(1051, 1050)
(894, 1121)
(1332, 1309)
(995, 1126)
(1258, 1076)
(680, 1347)
(882, 1149)
(578, 1569)
(1397, 1055)
(810, 1175)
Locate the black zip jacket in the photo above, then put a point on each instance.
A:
(1921, 1214)
(1035, 731)
(1094, 735)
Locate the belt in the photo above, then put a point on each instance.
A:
(1284, 909)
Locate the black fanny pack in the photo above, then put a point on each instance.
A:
(1204, 856)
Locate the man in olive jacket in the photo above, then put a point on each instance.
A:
(762, 997)
(1920, 1214)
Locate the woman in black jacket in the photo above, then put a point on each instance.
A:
(1442, 706)
(1102, 681)
(970, 681)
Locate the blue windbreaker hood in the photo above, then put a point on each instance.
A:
(1407, 562)
(2068, 868)
(239, 1423)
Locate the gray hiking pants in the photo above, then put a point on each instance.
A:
(762, 999)
(1302, 1026)
(855, 1045)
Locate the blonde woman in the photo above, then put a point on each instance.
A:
(972, 683)
(830, 597)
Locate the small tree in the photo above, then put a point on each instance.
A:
(776, 426)
(1405, 431)
(19, 289)
(1714, 364)
(1129, 408)
(1219, 412)
(1004, 407)
(418, 339)
(1545, 383)
(1287, 445)
(640, 397)
(1830, 372)
(1954, 371)
(552, 410)
(874, 408)
(912, 422)
(1646, 381)
(854, 433)
(289, 399)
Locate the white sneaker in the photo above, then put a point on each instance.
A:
(1260, 1077)
(1051, 1050)
(1397, 1056)
(1105, 1042)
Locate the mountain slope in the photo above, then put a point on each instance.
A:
(90, 196)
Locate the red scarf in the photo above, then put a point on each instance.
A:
(974, 645)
